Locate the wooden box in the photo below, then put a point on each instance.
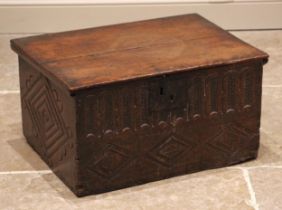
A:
(121, 105)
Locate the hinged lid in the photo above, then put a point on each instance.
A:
(90, 57)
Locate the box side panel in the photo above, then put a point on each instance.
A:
(142, 131)
(48, 115)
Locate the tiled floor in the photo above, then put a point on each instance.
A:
(27, 183)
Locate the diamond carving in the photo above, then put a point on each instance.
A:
(110, 162)
(44, 107)
(168, 151)
(231, 138)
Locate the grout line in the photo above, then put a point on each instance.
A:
(271, 86)
(246, 176)
(25, 172)
(254, 167)
(3, 92)
(262, 166)
(266, 166)
(21, 33)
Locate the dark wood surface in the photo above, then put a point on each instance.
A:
(91, 57)
(148, 130)
(151, 126)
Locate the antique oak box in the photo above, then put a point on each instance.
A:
(121, 105)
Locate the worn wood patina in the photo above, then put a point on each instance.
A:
(121, 105)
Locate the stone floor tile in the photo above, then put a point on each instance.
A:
(10, 117)
(215, 189)
(30, 192)
(267, 186)
(270, 152)
(9, 79)
(271, 120)
(17, 155)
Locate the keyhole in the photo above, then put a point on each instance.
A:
(161, 90)
(171, 98)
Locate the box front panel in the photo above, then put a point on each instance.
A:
(156, 128)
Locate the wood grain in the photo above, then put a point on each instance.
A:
(118, 106)
(96, 56)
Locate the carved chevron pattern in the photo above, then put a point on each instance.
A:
(45, 107)
(170, 126)
(225, 142)
(230, 139)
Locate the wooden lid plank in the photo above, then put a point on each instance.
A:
(91, 57)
